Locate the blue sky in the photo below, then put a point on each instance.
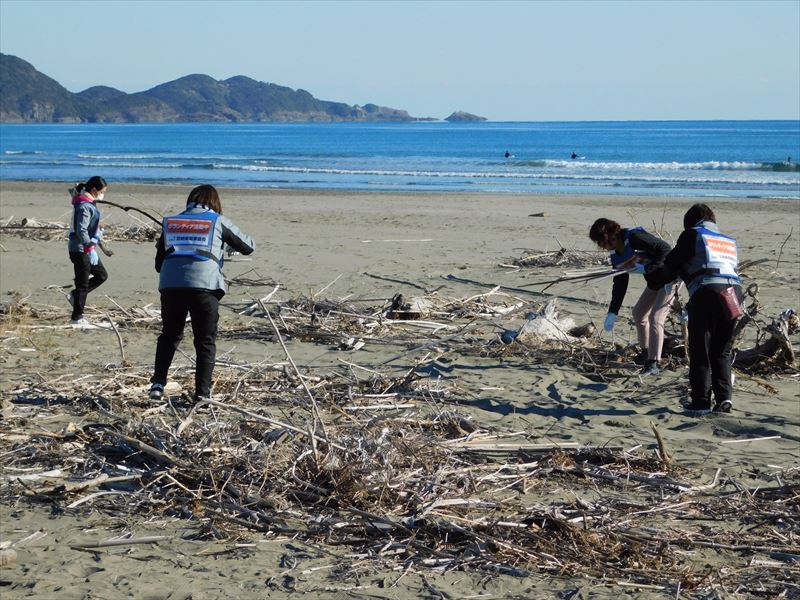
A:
(502, 60)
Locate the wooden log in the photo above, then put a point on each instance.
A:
(153, 539)
(146, 449)
(666, 458)
(777, 346)
(7, 556)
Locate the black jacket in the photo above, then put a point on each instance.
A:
(656, 249)
(673, 262)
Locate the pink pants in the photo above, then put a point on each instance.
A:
(649, 314)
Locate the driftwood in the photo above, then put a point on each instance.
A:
(411, 490)
(7, 556)
(381, 461)
(776, 349)
(52, 230)
(563, 257)
(153, 539)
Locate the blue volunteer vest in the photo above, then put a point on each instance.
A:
(191, 235)
(630, 258)
(715, 259)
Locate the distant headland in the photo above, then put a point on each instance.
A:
(29, 96)
(461, 116)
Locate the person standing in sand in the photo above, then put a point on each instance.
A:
(634, 250)
(707, 261)
(84, 237)
(189, 258)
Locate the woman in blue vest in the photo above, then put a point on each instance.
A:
(633, 250)
(84, 237)
(707, 261)
(189, 257)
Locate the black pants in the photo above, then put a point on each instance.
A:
(710, 340)
(88, 277)
(203, 306)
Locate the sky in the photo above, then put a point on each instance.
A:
(506, 61)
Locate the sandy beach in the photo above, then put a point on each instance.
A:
(369, 246)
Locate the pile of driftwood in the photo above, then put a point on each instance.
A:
(45, 231)
(493, 324)
(383, 467)
(17, 313)
(352, 323)
(563, 257)
(500, 325)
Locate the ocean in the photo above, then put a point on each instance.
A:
(740, 159)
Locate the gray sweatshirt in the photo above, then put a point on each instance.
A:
(204, 273)
(84, 225)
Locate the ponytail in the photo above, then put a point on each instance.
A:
(94, 183)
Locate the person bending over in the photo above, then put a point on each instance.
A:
(634, 250)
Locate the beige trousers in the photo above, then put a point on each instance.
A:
(649, 315)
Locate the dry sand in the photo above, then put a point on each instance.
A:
(306, 239)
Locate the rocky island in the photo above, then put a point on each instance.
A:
(460, 116)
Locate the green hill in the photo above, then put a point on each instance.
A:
(28, 96)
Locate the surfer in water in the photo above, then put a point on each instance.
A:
(574, 156)
(508, 154)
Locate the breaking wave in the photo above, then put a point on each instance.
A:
(713, 165)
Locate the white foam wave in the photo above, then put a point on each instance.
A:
(749, 178)
(124, 165)
(660, 166)
(118, 156)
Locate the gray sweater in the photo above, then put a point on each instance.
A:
(84, 225)
(191, 272)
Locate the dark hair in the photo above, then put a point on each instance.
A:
(698, 212)
(604, 232)
(94, 183)
(205, 195)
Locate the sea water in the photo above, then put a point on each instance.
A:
(665, 158)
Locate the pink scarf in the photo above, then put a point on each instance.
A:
(81, 198)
